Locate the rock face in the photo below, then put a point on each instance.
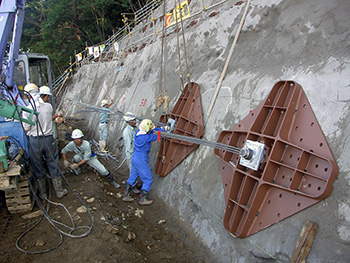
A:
(303, 41)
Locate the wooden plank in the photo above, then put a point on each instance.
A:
(17, 192)
(20, 208)
(304, 243)
(19, 200)
(14, 169)
(5, 183)
(33, 214)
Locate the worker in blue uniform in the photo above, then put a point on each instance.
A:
(144, 136)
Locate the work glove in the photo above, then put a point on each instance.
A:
(74, 166)
(167, 128)
(66, 164)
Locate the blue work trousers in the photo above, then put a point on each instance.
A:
(140, 167)
(44, 154)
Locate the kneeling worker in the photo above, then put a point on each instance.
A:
(85, 154)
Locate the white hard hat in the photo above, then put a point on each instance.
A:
(104, 102)
(76, 134)
(45, 90)
(30, 87)
(129, 116)
(146, 125)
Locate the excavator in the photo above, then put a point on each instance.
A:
(16, 71)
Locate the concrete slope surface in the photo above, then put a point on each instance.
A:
(303, 41)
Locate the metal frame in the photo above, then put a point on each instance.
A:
(297, 172)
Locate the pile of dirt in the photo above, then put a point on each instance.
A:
(121, 232)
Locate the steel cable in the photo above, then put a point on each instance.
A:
(216, 145)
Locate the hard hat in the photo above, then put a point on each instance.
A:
(146, 125)
(104, 102)
(45, 90)
(129, 116)
(30, 87)
(76, 134)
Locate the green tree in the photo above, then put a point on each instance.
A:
(59, 27)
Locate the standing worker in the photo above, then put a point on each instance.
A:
(128, 138)
(103, 126)
(43, 146)
(140, 159)
(85, 154)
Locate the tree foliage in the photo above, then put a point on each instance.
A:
(58, 28)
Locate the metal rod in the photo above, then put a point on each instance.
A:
(215, 145)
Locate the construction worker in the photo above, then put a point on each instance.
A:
(103, 126)
(84, 154)
(43, 146)
(144, 136)
(128, 138)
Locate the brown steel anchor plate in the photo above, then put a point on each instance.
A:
(298, 170)
(188, 115)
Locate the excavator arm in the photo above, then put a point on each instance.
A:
(11, 22)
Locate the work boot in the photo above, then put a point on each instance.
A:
(143, 198)
(135, 189)
(126, 196)
(102, 145)
(57, 184)
(111, 179)
(42, 188)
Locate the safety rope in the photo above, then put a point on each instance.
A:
(178, 51)
(185, 50)
(162, 59)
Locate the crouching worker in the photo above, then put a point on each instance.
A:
(84, 154)
(144, 136)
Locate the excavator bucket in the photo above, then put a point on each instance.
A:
(188, 116)
(298, 169)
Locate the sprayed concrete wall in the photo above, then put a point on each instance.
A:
(303, 41)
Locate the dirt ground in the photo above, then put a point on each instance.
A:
(121, 232)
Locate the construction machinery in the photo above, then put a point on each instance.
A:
(16, 71)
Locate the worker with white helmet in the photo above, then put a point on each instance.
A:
(144, 136)
(103, 125)
(128, 138)
(84, 153)
(43, 146)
